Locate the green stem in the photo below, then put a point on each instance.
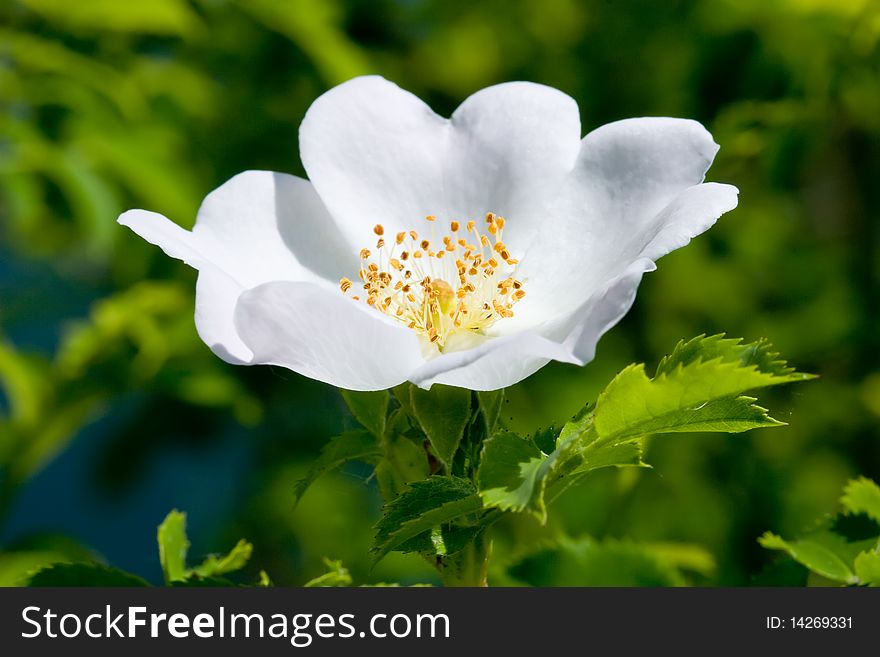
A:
(470, 567)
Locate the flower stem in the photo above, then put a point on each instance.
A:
(469, 567)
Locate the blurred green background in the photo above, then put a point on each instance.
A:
(112, 412)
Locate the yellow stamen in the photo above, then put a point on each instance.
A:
(438, 296)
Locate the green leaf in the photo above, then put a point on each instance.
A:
(424, 506)
(582, 451)
(867, 567)
(729, 350)
(369, 408)
(513, 474)
(697, 388)
(355, 445)
(818, 557)
(443, 413)
(173, 546)
(862, 496)
(84, 574)
(336, 575)
(236, 559)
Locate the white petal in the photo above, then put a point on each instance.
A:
(605, 308)
(511, 149)
(325, 336)
(503, 361)
(377, 154)
(613, 208)
(692, 212)
(257, 227)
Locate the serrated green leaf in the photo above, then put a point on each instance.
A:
(84, 574)
(513, 474)
(336, 575)
(369, 408)
(867, 567)
(729, 350)
(862, 495)
(697, 388)
(443, 413)
(727, 415)
(236, 559)
(425, 505)
(355, 445)
(173, 546)
(815, 554)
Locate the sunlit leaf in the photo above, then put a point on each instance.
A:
(336, 575)
(173, 546)
(862, 496)
(867, 567)
(818, 557)
(235, 559)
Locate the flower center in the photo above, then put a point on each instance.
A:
(458, 285)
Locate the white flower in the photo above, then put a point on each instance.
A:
(582, 220)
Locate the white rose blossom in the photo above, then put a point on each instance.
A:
(468, 251)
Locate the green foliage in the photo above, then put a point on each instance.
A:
(845, 548)
(696, 388)
(513, 474)
(418, 519)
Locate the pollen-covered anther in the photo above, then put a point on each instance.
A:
(463, 286)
